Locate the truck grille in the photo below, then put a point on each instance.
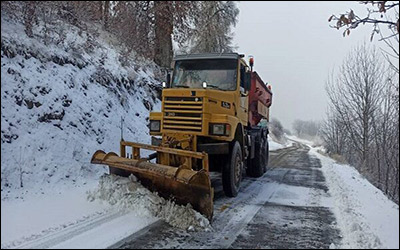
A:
(183, 113)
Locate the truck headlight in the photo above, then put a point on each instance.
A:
(155, 125)
(219, 129)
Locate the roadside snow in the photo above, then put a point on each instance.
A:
(94, 216)
(273, 145)
(40, 214)
(366, 217)
(128, 193)
(65, 220)
(304, 141)
(108, 233)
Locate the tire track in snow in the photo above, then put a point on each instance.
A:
(226, 225)
(250, 208)
(62, 235)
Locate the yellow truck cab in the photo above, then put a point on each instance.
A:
(205, 108)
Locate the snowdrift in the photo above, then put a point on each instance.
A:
(128, 193)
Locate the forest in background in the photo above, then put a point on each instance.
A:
(148, 28)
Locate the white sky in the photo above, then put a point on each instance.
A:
(294, 50)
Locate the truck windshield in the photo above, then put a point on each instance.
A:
(217, 73)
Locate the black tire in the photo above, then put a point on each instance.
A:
(266, 154)
(256, 166)
(118, 171)
(232, 171)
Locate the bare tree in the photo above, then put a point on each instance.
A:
(333, 134)
(106, 8)
(213, 22)
(149, 27)
(363, 119)
(132, 22)
(306, 129)
(276, 128)
(29, 16)
(355, 95)
(163, 15)
(380, 13)
(386, 136)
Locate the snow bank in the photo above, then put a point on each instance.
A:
(39, 215)
(366, 217)
(273, 145)
(304, 141)
(128, 193)
(65, 221)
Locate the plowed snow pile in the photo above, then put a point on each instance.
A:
(128, 193)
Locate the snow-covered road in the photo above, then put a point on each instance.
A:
(305, 200)
(287, 207)
(298, 203)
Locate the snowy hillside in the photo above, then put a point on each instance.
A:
(62, 99)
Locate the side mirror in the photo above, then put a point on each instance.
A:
(247, 81)
(167, 83)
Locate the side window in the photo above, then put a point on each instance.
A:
(242, 73)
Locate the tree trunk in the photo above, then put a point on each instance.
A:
(106, 14)
(396, 187)
(163, 33)
(29, 14)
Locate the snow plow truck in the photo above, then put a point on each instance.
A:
(214, 116)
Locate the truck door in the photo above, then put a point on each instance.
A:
(244, 101)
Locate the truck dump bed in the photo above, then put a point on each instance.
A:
(260, 99)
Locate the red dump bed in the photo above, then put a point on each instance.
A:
(260, 99)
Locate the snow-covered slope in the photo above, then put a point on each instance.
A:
(63, 99)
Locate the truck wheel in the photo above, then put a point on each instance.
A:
(266, 154)
(256, 166)
(232, 171)
(118, 171)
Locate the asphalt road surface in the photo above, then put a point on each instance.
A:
(288, 207)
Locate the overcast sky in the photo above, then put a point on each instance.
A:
(294, 50)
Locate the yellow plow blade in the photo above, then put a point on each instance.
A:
(182, 184)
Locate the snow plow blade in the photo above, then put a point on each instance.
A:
(182, 184)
